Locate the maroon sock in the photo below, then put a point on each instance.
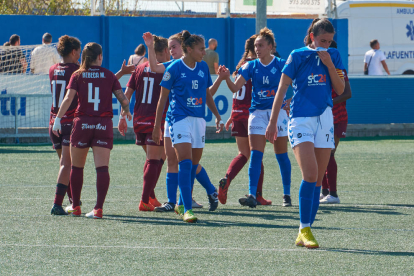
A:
(325, 184)
(76, 181)
(102, 185)
(235, 166)
(68, 191)
(332, 173)
(150, 178)
(152, 194)
(60, 193)
(260, 183)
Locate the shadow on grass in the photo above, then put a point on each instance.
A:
(400, 205)
(206, 223)
(352, 209)
(370, 252)
(25, 151)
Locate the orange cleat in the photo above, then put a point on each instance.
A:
(95, 214)
(224, 185)
(154, 202)
(145, 206)
(262, 201)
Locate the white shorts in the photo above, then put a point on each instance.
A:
(189, 130)
(166, 129)
(319, 130)
(259, 119)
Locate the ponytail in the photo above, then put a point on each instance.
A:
(190, 40)
(160, 43)
(248, 47)
(90, 53)
(318, 27)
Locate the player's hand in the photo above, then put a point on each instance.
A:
(126, 114)
(228, 124)
(127, 69)
(157, 135)
(219, 125)
(271, 132)
(122, 126)
(223, 72)
(287, 105)
(148, 39)
(326, 59)
(57, 127)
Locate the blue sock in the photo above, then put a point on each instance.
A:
(285, 171)
(306, 192)
(172, 186)
(204, 180)
(255, 167)
(184, 182)
(315, 203)
(180, 199)
(193, 175)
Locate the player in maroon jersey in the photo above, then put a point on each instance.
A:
(239, 120)
(329, 193)
(69, 49)
(147, 86)
(92, 125)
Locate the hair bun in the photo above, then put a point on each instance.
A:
(185, 35)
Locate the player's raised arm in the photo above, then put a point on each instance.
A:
(221, 76)
(152, 59)
(125, 69)
(233, 86)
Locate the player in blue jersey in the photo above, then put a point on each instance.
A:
(313, 71)
(187, 80)
(265, 73)
(176, 51)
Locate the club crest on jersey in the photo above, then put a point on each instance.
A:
(289, 60)
(201, 74)
(182, 75)
(274, 70)
(245, 66)
(167, 76)
(316, 79)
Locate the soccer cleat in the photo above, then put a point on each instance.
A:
(95, 214)
(249, 200)
(154, 202)
(261, 200)
(58, 210)
(308, 239)
(145, 206)
(189, 217)
(73, 211)
(213, 201)
(196, 205)
(299, 241)
(179, 210)
(166, 207)
(330, 200)
(321, 196)
(224, 185)
(287, 201)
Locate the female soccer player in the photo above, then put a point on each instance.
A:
(265, 74)
(188, 80)
(239, 121)
(69, 49)
(92, 126)
(329, 193)
(314, 70)
(176, 51)
(147, 87)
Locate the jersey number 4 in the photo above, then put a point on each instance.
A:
(93, 98)
(61, 94)
(151, 86)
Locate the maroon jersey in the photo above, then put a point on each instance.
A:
(147, 92)
(339, 110)
(94, 88)
(242, 101)
(59, 75)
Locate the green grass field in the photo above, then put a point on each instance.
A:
(369, 233)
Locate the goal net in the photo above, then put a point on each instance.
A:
(25, 96)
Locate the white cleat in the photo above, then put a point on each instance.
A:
(330, 200)
(321, 196)
(196, 205)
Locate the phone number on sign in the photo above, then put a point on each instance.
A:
(305, 2)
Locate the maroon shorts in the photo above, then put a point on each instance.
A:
(64, 137)
(340, 129)
(239, 129)
(143, 139)
(92, 132)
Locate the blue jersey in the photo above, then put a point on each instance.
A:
(168, 63)
(310, 81)
(188, 88)
(265, 81)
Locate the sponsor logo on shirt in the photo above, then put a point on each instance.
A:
(98, 127)
(266, 94)
(201, 74)
(182, 75)
(101, 142)
(317, 79)
(167, 76)
(194, 102)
